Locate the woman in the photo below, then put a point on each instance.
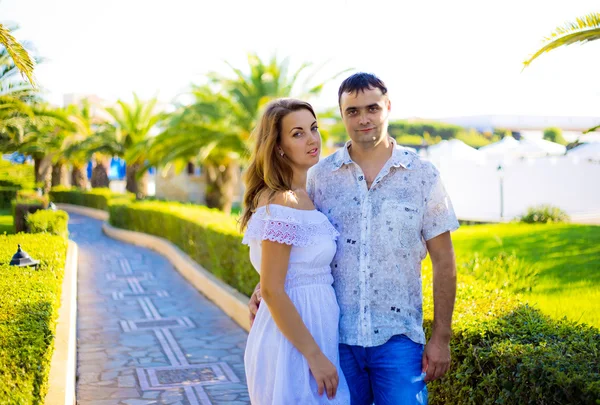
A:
(292, 350)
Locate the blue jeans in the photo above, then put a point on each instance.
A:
(386, 374)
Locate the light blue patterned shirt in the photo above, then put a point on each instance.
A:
(377, 267)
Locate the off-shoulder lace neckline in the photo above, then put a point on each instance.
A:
(284, 206)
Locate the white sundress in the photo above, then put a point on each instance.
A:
(276, 372)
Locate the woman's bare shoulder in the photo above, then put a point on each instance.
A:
(292, 199)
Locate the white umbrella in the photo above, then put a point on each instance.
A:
(536, 147)
(586, 151)
(454, 149)
(591, 137)
(501, 149)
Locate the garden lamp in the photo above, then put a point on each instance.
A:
(22, 259)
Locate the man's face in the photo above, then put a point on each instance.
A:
(365, 115)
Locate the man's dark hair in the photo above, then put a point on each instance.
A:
(360, 82)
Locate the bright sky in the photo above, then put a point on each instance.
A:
(439, 58)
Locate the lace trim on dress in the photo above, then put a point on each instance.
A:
(289, 227)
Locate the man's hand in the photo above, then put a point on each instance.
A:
(436, 358)
(254, 303)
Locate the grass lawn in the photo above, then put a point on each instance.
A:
(567, 256)
(6, 221)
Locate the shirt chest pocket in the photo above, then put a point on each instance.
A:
(401, 223)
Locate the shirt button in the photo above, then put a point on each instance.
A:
(360, 178)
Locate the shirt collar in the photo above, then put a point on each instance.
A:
(401, 157)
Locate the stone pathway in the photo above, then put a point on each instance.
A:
(146, 336)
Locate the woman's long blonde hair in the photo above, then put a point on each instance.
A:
(269, 170)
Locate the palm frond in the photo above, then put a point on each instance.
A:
(587, 131)
(583, 29)
(19, 55)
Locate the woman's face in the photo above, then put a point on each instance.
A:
(300, 139)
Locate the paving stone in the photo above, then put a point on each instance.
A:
(127, 381)
(138, 354)
(109, 375)
(241, 402)
(151, 394)
(125, 393)
(227, 397)
(88, 377)
(171, 396)
(138, 402)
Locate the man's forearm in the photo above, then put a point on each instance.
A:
(444, 295)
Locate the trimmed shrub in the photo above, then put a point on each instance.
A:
(21, 208)
(506, 352)
(32, 195)
(48, 221)
(29, 302)
(207, 235)
(415, 140)
(20, 176)
(96, 198)
(543, 214)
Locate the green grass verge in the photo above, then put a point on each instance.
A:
(29, 302)
(567, 257)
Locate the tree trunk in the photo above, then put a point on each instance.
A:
(220, 183)
(60, 175)
(43, 172)
(100, 174)
(79, 176)
(139, 187)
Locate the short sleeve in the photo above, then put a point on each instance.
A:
(286, 225)
(439, 216)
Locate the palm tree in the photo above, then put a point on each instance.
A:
(128, 137)
(215, 129)
(583, 29)
(17, 52)
(43, 138)
(78, 147)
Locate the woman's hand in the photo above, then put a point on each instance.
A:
(325, 374)
(254, 303)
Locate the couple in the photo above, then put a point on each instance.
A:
(362, 219)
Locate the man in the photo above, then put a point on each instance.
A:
(390, 208)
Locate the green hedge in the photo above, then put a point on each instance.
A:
(7, 194)
(16, 175)
(49, 221)
(29, 302)
(506, 352)
(208, 236)
(21, 207)
(98, 198)
(543, 214)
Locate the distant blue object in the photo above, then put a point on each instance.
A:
(89, 170)
(15, 157)
(117, 170)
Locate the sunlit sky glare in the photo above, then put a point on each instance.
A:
(439, 58)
